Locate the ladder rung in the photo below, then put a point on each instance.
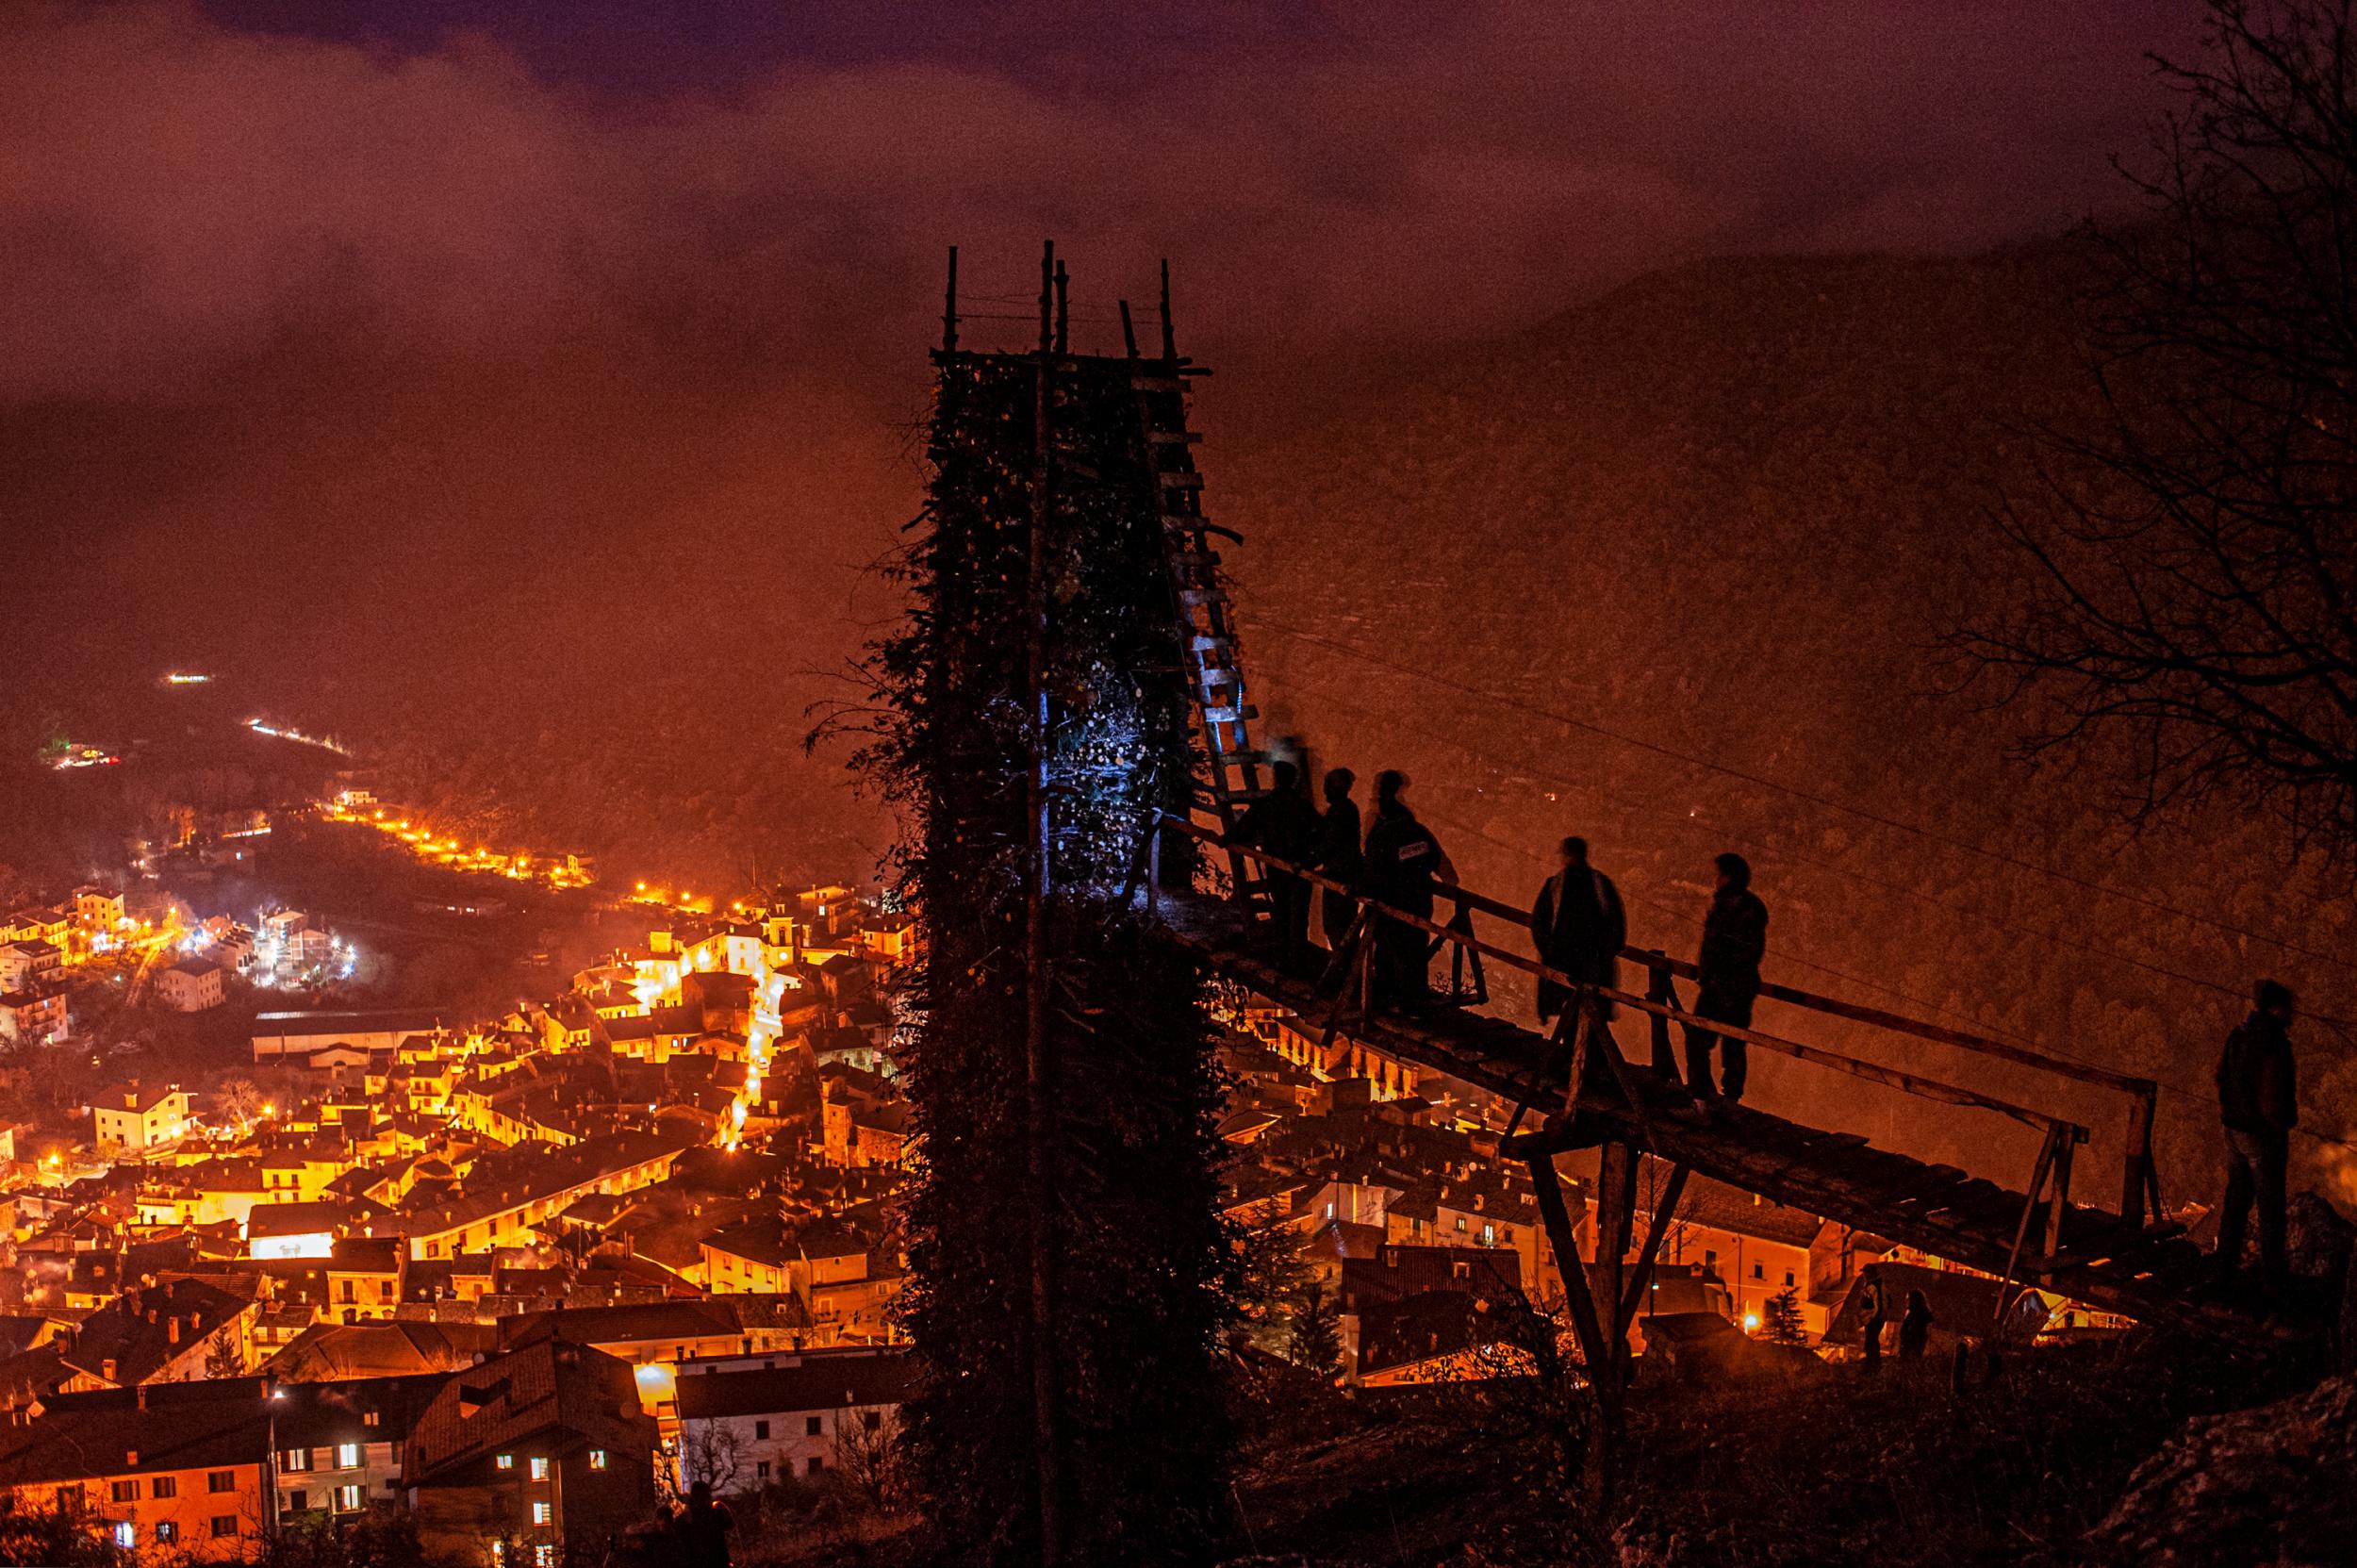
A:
(1196, 557)
(1205, 643)
(1157, 383)
(1178, 479)
(1202, 596)
(1230, 715)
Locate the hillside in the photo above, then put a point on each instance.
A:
(1725, 513)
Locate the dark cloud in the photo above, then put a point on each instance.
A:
(177, 195)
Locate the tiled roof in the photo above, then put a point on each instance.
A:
(85, 1436)
(550, 1384)
(812, 1381)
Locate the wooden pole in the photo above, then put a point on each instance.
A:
(950, 307)
(1170, 338)
(1047, 1435)
(1587, 1328)
(2137, 1178)
(1064, 311)
(1664, 1215)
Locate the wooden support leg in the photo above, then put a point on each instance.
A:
(2054, 1134)
(1640, 1279)
(1657, 988)
(1342, 972)
(2138, 1180)
(1604, 1367)
(1546, 1065)
(2060, 1208)
(1616, 1215)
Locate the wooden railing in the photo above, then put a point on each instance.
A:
(1350, 975)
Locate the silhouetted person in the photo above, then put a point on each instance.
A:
(1915, 1329)
(1877, 1318)
(1580, 927)
(1735, 935)
(1337, 854)
(1285, 824)
(1960, 1370)
(702, 1528)
(2258, 1096)
(1402, 860)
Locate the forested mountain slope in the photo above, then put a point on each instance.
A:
(1726, 512)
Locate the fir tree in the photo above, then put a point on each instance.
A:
(1314, 1337)
(1781, 1321)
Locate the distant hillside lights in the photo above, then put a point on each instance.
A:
(554, 872)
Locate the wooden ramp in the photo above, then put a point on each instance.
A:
(2099, 1258)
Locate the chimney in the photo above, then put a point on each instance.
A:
(171, 1329)
(107, 1369)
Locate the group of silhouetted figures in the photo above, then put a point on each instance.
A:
(1576, 921)
(1579, 928)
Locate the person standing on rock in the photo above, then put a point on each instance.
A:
(2258, 1096)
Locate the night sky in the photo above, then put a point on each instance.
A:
(411, 346)
(184, 184)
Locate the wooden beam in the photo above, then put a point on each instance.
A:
(1587, 1328)
(1664, 1214)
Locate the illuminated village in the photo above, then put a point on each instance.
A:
(1241, 785)
(676, 1176)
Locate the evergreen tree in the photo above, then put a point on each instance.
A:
(1314, 1337)
(1144, 1265)
(1274, 1270)
(1781, 1321)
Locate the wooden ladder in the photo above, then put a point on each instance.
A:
(1232, 770)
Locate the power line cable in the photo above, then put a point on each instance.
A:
(1823, 801)
(2339, 1026)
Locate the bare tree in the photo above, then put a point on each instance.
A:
(709, 1455)
(2191, 615)
(867, 1455)
(238, 1101)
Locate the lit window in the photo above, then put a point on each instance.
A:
(541, 1513)
(295, 1459)
(347, 1455)
(505, 1461)
(597, 1459)
(347, 1499)
(544, 1556)
(539, 1467)
(167, 1531)
(126, 1535)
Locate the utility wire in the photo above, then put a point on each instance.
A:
(1824, 802)
(2344, 1028)
(2339, 1026)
